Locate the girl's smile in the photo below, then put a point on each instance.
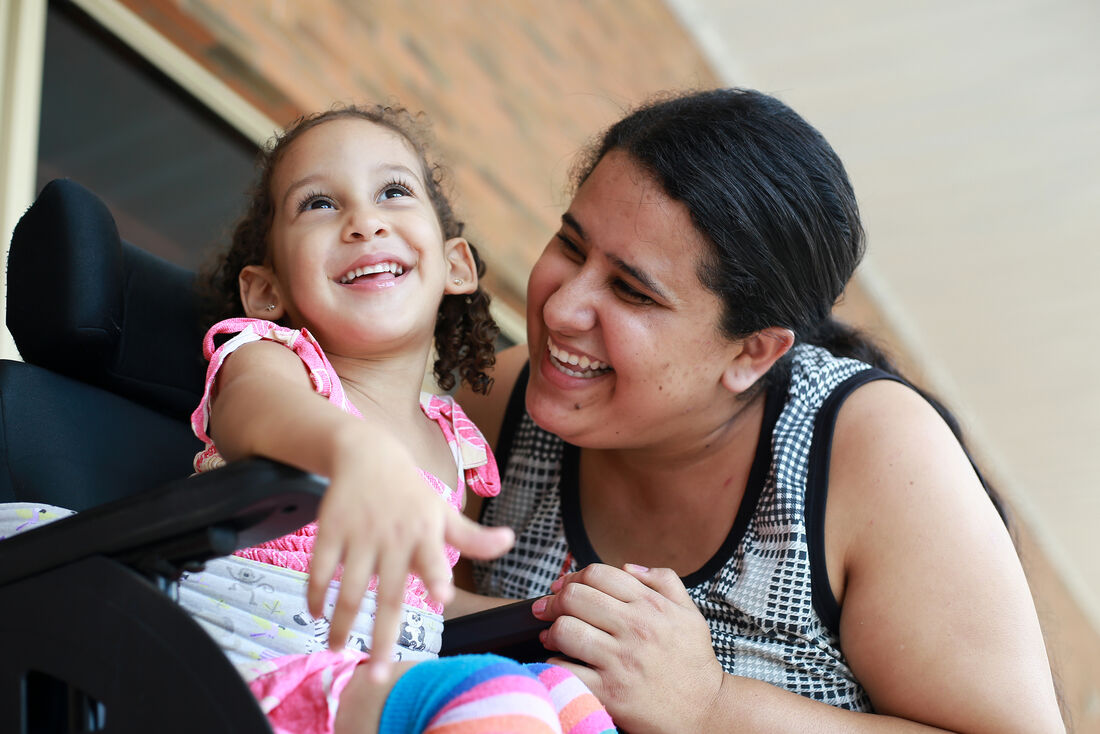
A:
(380, 270)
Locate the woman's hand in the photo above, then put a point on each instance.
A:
(637, 640)
(380, 518)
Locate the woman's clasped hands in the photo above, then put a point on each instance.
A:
(636, 639)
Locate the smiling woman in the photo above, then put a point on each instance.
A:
(618, 285)
(744, 519)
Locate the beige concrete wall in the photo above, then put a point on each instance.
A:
(971, 131)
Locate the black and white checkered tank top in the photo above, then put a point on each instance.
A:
(765, 593)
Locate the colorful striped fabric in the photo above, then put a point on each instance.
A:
(472, 694)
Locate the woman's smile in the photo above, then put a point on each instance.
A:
(575, 365)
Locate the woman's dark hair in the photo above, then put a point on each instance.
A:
(465, 332)
(772, 198)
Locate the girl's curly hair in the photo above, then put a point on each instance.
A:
(465, 332)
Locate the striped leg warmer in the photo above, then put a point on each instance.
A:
(488, 693)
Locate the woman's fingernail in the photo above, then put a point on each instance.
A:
(539, 606)
(636, 568)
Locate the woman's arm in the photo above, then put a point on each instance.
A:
(265, 405)
(937, 621)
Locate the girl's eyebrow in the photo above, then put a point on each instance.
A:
(649, 283)
(295, 185)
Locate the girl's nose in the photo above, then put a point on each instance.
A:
(364, 226)
(571, 308)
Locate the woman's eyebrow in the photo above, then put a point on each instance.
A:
(570, 221)
(649, 283)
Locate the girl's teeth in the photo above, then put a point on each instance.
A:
(387, 267)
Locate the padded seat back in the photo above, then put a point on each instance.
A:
(113, 365)
(85, 304)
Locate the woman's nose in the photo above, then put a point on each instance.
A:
(571, 307)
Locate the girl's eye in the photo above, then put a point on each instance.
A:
(394, 190)
(316, 201)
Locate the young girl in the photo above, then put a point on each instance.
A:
(347, 268)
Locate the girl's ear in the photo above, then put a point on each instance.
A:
(758, 353)
(260, 293)
(461, 267)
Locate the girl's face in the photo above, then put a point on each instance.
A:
(356, 253)
(623, 338)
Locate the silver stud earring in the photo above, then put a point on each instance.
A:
(269, 307)
(457, 281)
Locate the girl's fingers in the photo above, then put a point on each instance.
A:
(322, 568)
(358, 568)
(477, 541)
(430, 563)
(393, 573)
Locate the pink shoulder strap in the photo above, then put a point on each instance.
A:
(300, 341)
(478, 463)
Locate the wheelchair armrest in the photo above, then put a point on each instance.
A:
(510, 630)
(177, 526)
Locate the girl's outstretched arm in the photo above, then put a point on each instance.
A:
(378, 517)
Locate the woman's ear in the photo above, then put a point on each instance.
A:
(260, 293)
(759, 351)
(461, 267)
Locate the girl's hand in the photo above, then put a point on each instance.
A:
(382, 519)
(645, 647)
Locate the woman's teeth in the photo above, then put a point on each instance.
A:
(387, 267)
(564, 360)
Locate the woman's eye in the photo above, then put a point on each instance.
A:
(632, 294)
(570, 248)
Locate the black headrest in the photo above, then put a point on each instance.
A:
(88, 305)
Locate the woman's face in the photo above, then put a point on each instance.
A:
(623, 338)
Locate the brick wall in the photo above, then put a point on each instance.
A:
(514, 89)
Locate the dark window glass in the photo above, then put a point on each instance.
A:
(172, 173)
